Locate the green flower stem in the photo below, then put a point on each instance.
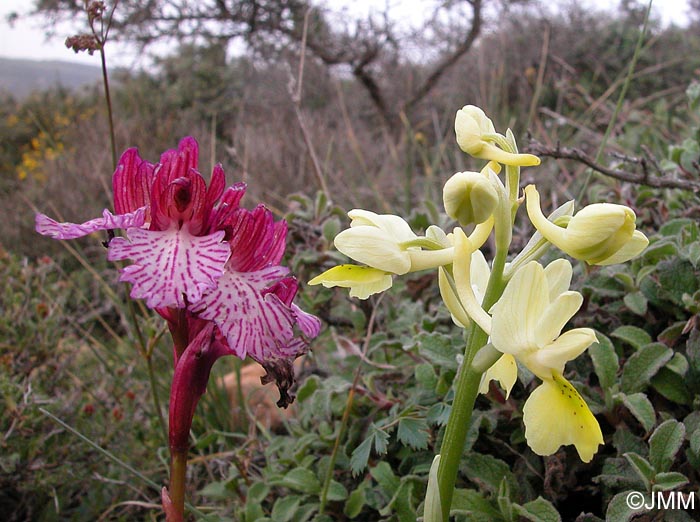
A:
(468, 380)
(466, 390)
(178, 471)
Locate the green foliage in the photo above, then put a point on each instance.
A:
(67, 343)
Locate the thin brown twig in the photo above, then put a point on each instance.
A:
(296, 99)
(668, 180)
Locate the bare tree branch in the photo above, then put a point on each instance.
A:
(429, 83)
(645, 177)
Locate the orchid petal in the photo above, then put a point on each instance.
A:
(394, 226)
(505, 371)
(286, 289)
(170, 265)
(481, 232)
(373, 247)
(131, 182)
(452, 302)
(555, 316)
(565, 348)
(632, 249)
(362, 281)
(462, 273)
(517, 313)
(556, 415)
(255, 321)
(558, 274)
(51, 228)
(256, 240)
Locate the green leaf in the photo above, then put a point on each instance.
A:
(215, 490)
(695, 442)
(253, 504)
(355, 502)
(470, 502)
(426, 376)
(639, 405)
(632, 335)
(539, 510)
(672, 386)
(488, 471)
(401, 503)
(413, 432)
(669, 480)
(438, 414)
(636, 302)
(678, 364)
(677, 277)
(605, 361)
(643, 365)
(659, 251)
(303, 480)
(643, 468)
(673, 227)
(285, 508)
(336, 491)
(308, 388)
(331, 228)
(693, 452)
(385, 477)
(664, 443)
(438, 349)
(619, 509)
(360, 456)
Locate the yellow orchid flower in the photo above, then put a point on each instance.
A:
(526, 323)
(599, 234)
(362, 281)
(476, 136)
(375, 240)
(387, 243)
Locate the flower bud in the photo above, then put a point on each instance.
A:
(470, 124)
(469, 198)
(599, 234)
(476, 134)
(432, 511)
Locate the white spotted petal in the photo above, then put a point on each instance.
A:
(255, 322)
(170, 267)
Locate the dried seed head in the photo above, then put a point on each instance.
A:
(83, 42)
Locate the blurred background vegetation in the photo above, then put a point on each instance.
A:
(364, 120)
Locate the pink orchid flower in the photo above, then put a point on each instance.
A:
(194, 251)
(211, 269)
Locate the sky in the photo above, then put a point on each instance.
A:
(27, 39)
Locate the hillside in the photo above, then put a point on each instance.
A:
(21, 77)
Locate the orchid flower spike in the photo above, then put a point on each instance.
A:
(526, 323)
(599, 234)
(193, 250)
(477, 137)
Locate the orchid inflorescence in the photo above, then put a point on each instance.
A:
(516, 310)
(210, 268)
